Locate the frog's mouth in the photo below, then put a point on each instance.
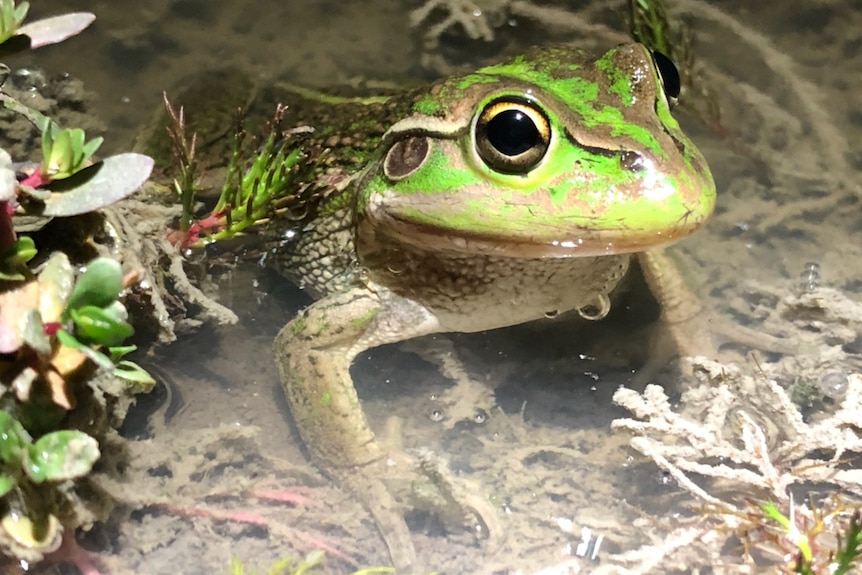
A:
(526, 240)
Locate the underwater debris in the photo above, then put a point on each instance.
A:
(740, 446)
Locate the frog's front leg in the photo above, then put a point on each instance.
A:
(314, 352)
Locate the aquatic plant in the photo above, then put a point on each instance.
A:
(62, 325)
(746, 435)
(252, 182)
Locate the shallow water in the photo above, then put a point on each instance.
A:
(534, 435)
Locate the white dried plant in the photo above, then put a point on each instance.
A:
(736, 440)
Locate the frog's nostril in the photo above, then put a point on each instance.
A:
(631, 161)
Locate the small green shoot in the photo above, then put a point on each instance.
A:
(65, 151)
(246, 199)
(11, 17)
(13, 262)
(98, 319)
(791, 530)
(130, 371)
(183, 147)
(252, 185)
(650, 25)
(851, 549)
(820, 538)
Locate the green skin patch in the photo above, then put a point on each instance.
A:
(618, 174)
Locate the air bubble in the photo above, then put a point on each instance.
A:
(833, 384)
(809, 279)
(597, 309)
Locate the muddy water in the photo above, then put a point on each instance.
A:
(533, 433)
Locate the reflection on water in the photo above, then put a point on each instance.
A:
(224, 474)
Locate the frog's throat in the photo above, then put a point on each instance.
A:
(575, 243)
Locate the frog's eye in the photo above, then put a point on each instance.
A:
(512, 135)
(668, 73)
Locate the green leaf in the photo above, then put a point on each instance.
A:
(65, 151)
(11, 18)
(61, 455)
(22, 251)
(56, 28)
(98, 358)
(236, 567)
(118, 351)
(56, 281)
(34, 334)
(7, 482)
(103, 183)
(13, 439)
(90, 147)
(11, 276)
(59, 163)
(309, 562)
(849, 552)
(99, 285)
(97, 325)
(133, 372)
(13, 261)
(771, 510)
(48, 134)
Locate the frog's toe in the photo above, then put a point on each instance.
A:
(386, 511)
(456, 501)
(401, 483)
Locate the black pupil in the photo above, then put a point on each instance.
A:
(512, 132)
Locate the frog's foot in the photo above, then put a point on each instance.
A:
(365, 482)
(389, 489)
(703, 335)
(423, 482)
(456, 501)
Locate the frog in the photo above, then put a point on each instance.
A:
(523, 190)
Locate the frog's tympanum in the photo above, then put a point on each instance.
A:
(491, 199)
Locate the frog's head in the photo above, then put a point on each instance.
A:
(551, 154)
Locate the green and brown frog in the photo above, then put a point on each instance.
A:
(522, 190)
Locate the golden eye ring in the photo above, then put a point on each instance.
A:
(512, 135)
